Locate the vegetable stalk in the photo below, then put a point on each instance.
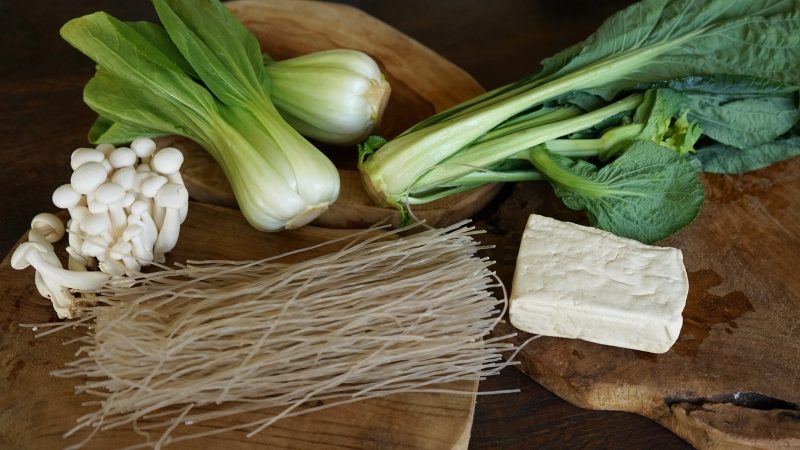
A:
(217, 94)
(334, 96)
(689, 56)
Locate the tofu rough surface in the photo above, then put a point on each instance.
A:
(579, 282)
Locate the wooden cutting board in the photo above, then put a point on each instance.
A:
(732, 380)
(422, 82)
(35, 408)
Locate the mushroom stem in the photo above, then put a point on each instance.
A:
(141, 250)
(168, 236)
(83, 281)
(61, 298)
(118, 219)
(51, 280)
(170, 197)
(150, 230)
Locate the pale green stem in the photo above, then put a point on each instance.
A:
(540, 159)
(489, 176)
(530, 121)
(585, 148)
(490, 152)
(396, 168)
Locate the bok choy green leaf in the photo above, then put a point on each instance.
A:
(648, 192)
(727, 159)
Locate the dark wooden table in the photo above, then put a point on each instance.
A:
(42, 118)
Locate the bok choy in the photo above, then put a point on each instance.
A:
(334, 96)
(216, 93)
(632, 99)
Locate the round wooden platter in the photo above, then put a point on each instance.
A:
(36, 409)
(422, 82)
(732, 379)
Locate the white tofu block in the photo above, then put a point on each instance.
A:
(579, 282)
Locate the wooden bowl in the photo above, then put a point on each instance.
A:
(423, 83)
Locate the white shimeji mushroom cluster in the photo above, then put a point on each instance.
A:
(52, 280)
(126, 206)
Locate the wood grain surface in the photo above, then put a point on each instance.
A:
(732, 379)
(36, 409)
(42, 119)
(287, 28)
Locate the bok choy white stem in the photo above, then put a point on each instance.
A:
(334, 96)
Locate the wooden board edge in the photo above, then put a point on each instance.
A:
(463, 441)
(695, 422)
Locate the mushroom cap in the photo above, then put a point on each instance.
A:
(96, 207)
(112, 267)
(168, 160)
(124, 177)
(105, 148)
(109, 193)
(139, 178)
(19, 259)
(82, 156)
(49, 254)
(140, 207)
(128, 200)
(91, 247)
(122, 157)
(152, 185)
(65, 196)
(51, 227)
(88, 177)
(143, 147)
(35, 235)
(95, 224)
(172, 195)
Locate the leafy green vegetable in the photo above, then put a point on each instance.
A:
(647, 194)
(658, 118)
(717, 65)
(741, 121)
(669, 39)
(483, 153)
(159, 37)
(335, 96)
(721, 158)
(279, 179)
(106, 130)
(203, 32)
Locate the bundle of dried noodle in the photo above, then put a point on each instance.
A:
(383, 315)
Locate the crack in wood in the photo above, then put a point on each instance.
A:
(751, 400)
